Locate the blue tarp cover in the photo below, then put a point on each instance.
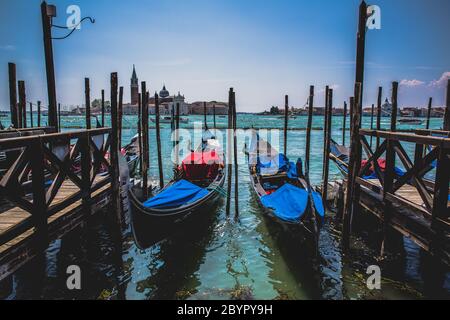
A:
(288, 202)
(180, 193)
(318, 204)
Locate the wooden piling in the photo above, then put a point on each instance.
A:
(139, 124)
(329, 114)
(447, 109)
(325, 128)
(22, 105)
(229, 150)
(103, 108)
(59, 117)
(286, 119)
(158, 142)
(145, 144)
(308, 130)
(430, 103)
(344, 123)
(39, 114)
(177, 135)
(236, 167)
(394, 106)
(87, 95)
(13, 107)
(214, 118)
(371, 123)
(205, 120)
(360, 46)
(379, 101)
(31, 115)
(115, 149)
(120, 115)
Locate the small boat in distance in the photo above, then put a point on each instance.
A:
(168, 119)
(410, 121)
(283, 192)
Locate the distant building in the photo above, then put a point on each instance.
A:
(198, 108)
(134, 88)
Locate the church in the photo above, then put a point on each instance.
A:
(166, 101)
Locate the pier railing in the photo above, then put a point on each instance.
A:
(43, 164)
(428, 197)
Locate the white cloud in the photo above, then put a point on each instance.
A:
(411, 83)
(7, 47)
(440, 83)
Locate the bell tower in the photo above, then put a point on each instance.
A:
(134, 88)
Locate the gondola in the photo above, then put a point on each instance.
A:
(283, 191)
(194, 190)
(340, 155)
(168, 119)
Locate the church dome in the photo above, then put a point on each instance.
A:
(164, 93)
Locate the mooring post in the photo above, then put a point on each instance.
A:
(214, 118)
(345, 123)
(229, 150)
(177, 135)
(87, 95)
(430, 104)
(139, 124)
(236, 167)
(389, 173)
(286, 119)
(447, 109)
(86, 166)
(31, 115)
(308, 131)
(115, 149)
(103, 108)
(380, 94)
(13, 107)
(145, 144)
(120, 115)
(371, 123)
(329, 114)
(39, 114)
(360, 46)
(325, 128)
(39, 211)
(22, 105)
(158, 142)
(205, 120)
(59, 117)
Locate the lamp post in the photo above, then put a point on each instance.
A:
(48, 12)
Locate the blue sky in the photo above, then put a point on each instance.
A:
(264, 49)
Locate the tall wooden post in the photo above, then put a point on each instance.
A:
(205, 120)
(49, 65)
(31, 115)
(430, 104)
(371, 123)
(229, 150)
(39, 114)
(329, 114)
(214, 118)
(87, 95)
(308, 131)
(177, 135)
(120, 115)
(115, 149)
(103, 108)
(325, 128)
(389, 173)
(447, 109)
(158, 142)
(13, 95)
(141, 151)
(22, 105)
(236, 167)
(286, 119)
(360, 47)
(380, 94)
(59, 117)
(145, 144)
(344, 123)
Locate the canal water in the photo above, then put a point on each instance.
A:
(222, 258)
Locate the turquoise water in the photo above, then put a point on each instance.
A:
(227, 259)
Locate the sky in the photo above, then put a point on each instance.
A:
(263, 49)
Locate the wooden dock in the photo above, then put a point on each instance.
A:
(56, 181)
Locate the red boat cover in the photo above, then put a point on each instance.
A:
(199, 166)
(381, 164)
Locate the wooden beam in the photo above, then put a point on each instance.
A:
(158, 142)
(379, 101)
(430, 104)
(103, 108)
(344, 123)
(22, 105)
(308, 131)
(286, 119)
(328, 113)
(236, 167)
(120, 115)
(115, 149)
(13, 95)
(87, 96)
(360, 47)
(229, 150)
(145, 143)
